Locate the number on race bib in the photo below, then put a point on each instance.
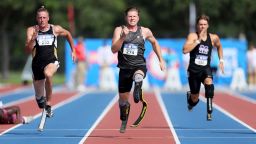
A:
(201, 60)
(130, 49)
(44, 40)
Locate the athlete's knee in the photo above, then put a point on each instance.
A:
(137, 93)
(208, 80)
(138, 77)
(48, 74)
(209, 90)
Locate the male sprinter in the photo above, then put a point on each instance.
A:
(200, 45)
(129, 42)
(41, 40)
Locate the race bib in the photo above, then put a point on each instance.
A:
(201, 60)
(44, 40)
(130, 49)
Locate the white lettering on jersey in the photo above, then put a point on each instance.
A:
(203, 49)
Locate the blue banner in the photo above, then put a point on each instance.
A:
(234, 52)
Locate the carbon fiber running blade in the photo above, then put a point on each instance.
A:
(141, 116)
(42, 121)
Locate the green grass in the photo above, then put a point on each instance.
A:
(15, 78)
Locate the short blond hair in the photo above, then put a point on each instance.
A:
(42, 9)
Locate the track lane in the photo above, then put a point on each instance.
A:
(153, 129)
(12, 89)
(69, 124)
(240, 108)
(30, 107)
(193, 128)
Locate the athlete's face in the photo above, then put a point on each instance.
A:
(202, 25)
(132, 18)
(42, 19)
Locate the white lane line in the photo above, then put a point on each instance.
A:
(69, 100)
(166, 115)
(106, 110)
(229, 114)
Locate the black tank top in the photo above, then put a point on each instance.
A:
(45, 48)
(131, 54)
(200, 56)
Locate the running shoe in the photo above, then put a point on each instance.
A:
(49, 112)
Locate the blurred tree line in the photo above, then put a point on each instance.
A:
(97, 19)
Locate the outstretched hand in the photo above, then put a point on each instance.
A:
(221, 66)
(162, 65)
(73, 55)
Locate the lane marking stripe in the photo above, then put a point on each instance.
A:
(166, 115)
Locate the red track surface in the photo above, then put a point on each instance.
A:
(9, 88)
(30, 107)
(243, 110)
(153, 129)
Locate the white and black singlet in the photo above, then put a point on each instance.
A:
(44, 52)
(199, 65)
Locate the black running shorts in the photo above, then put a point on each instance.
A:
(195, 79)
(38, 68)
(126, 78)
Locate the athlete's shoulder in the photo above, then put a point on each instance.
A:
(146, 32)
(214, 37)
(55, 27)
(192, 36)
(59, 30)
(144, 29)
(34, 27)
(119, 27)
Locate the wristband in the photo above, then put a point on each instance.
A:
(222, 60)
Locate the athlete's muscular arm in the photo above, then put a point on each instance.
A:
(59, 31)
(30, 38)
(156, 47)
(191, 42)
(118, 38)
(217, 44)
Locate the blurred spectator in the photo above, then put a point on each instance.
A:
(172, 71)
(81, 64)
(107, 79)
(26, 75)
(12, 115)
(214, 64)
(251, 66)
